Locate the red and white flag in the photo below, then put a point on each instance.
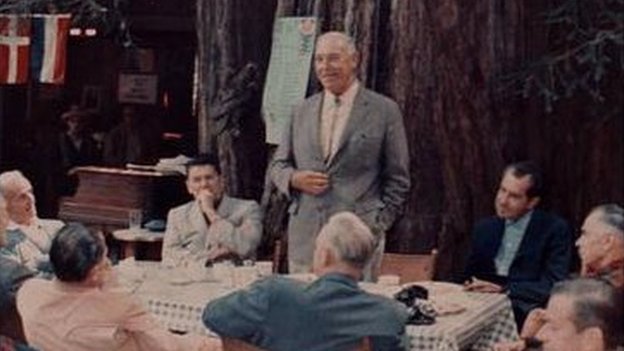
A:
(14, 49)
(49, 47)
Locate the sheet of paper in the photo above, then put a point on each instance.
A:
(289, 71)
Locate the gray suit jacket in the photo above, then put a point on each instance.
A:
(188, 236)
(369, 172)
(331, 313)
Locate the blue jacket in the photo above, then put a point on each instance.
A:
(331, 313)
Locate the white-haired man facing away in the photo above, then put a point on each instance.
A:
(331, 313)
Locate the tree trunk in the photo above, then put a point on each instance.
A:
(230, 35)
(442, 61)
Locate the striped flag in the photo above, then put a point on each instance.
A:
(49, 47)
(14, 49)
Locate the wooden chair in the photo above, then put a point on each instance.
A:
(277, 256)
(409, 267)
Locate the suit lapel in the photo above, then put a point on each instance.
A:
(499, 230)
(198, 223)
(312, 125)
(225, 207)
(531, 236)
(355, 121)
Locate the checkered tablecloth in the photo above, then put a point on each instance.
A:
(488, 320)
(178, 316)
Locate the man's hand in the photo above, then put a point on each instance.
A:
(533, 323)
(211, 344)
(206, 201)
(310, 182)
(482, 286)
(218, 252)
(519, 345)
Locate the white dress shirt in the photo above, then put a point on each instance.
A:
(334, 118)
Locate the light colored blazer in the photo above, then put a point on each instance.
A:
(64, 317)
(188, 236)
(369, 172)
(30, 246)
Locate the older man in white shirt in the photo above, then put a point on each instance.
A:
(28, 237)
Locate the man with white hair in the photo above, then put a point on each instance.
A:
(601, 249)
(345, 149)
(28, 237)
(331, 313)
(12, 275)
(601, 244)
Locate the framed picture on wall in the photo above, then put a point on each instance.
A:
(137, 88)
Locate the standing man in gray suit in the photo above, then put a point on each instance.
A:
(344, 150)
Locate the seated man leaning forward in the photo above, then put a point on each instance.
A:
(601, 249)
(331, 313)
(212, 226)
(522, 250)
(83, 310)
(28, 237)
(582, 315)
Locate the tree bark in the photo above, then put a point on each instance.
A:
(442, 61)
(231, 34)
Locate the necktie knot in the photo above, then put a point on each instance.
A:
(337, 102)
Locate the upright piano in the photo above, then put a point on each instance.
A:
(106, 196)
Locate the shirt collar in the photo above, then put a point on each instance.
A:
(14, 226)
(521, 222)
(347, 97)
(339, 277)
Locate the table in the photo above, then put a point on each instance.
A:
(130, 239)
(488, 320)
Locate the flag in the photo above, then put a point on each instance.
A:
(14, 49)
(49, 47)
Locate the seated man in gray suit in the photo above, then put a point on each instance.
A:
(212, 226)
(331, 313)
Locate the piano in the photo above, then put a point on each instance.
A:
(105, 197)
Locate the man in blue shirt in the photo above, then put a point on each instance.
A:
(331, 313)
(522, 251)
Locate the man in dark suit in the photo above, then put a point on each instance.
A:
(522, 251)
(331, 313)
(344, 150)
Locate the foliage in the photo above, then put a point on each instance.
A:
(584, 53)
(107, 15)
(81, 9)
